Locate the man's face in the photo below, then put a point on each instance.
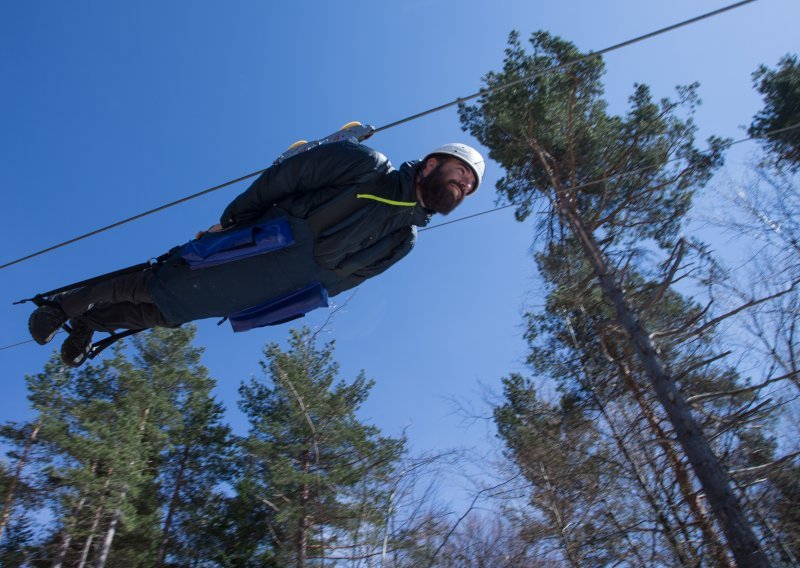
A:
(445, 184)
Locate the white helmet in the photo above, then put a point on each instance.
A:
(466, 154)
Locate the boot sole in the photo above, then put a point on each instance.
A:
(42, 340)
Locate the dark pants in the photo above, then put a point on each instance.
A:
(123, 302)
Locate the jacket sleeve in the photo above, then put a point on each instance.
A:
(394, 247)
(329, 165)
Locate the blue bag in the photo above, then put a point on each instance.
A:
(289, 307)
(227, 246)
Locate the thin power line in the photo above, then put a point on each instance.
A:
(21, 343)
(16, 344)
(616, 175)
(444, 224)
(393, 124)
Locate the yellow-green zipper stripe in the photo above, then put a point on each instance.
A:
(387, 201)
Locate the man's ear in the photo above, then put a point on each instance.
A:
(430, 165)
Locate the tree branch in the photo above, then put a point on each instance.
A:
(662, 288)
(719, 394)
(764, 468)
(745, 306)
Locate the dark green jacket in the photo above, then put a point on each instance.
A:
(352, 215)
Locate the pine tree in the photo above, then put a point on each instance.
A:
(13, 486)
(766, 218)
(16, 546)
(24, 486)
(613, 192)
(315, 480)
(197, 461)
(17, 540)
(781, 91)
(556, 448)
(575, 343)
(104, 474)
(183, 443)
(115, 435)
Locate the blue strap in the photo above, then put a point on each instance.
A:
(218, 248)
(289, 307)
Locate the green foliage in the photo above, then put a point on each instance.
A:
(17, 543)
(113, 437)
(139, 438)
(558, 448)
(316, 477)
(783, 497)
(781, 91)
(612, 193)
(630, 176)
(198, 459)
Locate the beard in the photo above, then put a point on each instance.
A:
(436, 193)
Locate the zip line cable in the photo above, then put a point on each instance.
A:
(577, 187)
(565, 65)
(396, 123)
(134, 218)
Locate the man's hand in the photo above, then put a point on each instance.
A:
(212, 229)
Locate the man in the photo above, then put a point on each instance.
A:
(325, 220)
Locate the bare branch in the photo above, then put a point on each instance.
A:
(764, 468)
(701, 364)
(659, 292)
(330, 317)
(692, 321)
(752, 388)
(467, 512)
(735, 311)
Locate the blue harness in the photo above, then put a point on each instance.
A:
(214, 249)
(229, 246)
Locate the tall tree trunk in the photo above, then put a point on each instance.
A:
(117, 515)
(304, 522)
(652, 501)
(713, 478)
(12, 486)
(173, 502)
(660, 515)
(87, 545)
(66, 539)
(66, 534)
(112, 529)
(690, 496)
(572, 555)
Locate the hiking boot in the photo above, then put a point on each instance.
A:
(45, 322)
(77, 346)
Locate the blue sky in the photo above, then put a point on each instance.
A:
(112, 108)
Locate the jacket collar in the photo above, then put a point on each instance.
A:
(408, 191)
